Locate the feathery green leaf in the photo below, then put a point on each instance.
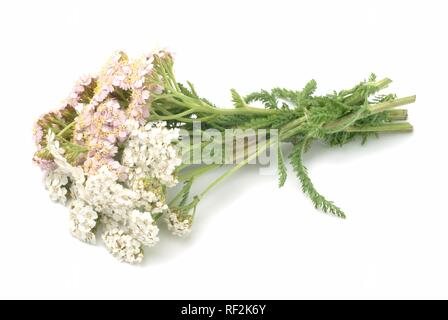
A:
(318, 200)
(282, 171)
(238, 101)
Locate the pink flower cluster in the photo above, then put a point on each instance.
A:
(106, 127)
(55, 120)
(101, 106)
(60, 118)
(121, 94)
(82, 92)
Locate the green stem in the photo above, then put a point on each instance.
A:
(196, 172)
(248, 110)
(176, 116)
(235, 169)
(371, 109)
(388, 127)
(292, 128)
(383, 83)
(397, 114)
(379, 85)
(380, 107)
(200, 106)
(71, 124)
(294, 123)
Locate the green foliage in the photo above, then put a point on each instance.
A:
(342, 137)
(282, 171)
(185, 192)
(379, 98)
(189, 92)
(289, 98)
(318, 200)
(302, 116)
(192, 89)
(238, 101)
(268, 99)
(309, 89)
(274, 121)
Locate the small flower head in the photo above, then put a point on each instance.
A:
(152, 149)
(179, 223)
(54, 121)
(123, 246)
(143, 228)
(115, 73)
(83, 220)
(82, 91)
(56, 183)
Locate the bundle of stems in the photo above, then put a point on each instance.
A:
(300, 117)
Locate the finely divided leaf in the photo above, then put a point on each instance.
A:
(268, 99)
(186, 191)
(282, 171)
(192, 89)
(318, 200)
(238, 101)
(309, 89)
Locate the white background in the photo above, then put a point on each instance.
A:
(251, 239)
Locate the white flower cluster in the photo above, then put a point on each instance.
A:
(56, 182)
(106, 195)
(179, 225)
(123, 246)
(82, 221)
(150, 148)
(125, 210)
(142, 227)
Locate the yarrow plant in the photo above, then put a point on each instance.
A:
(126, 136)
